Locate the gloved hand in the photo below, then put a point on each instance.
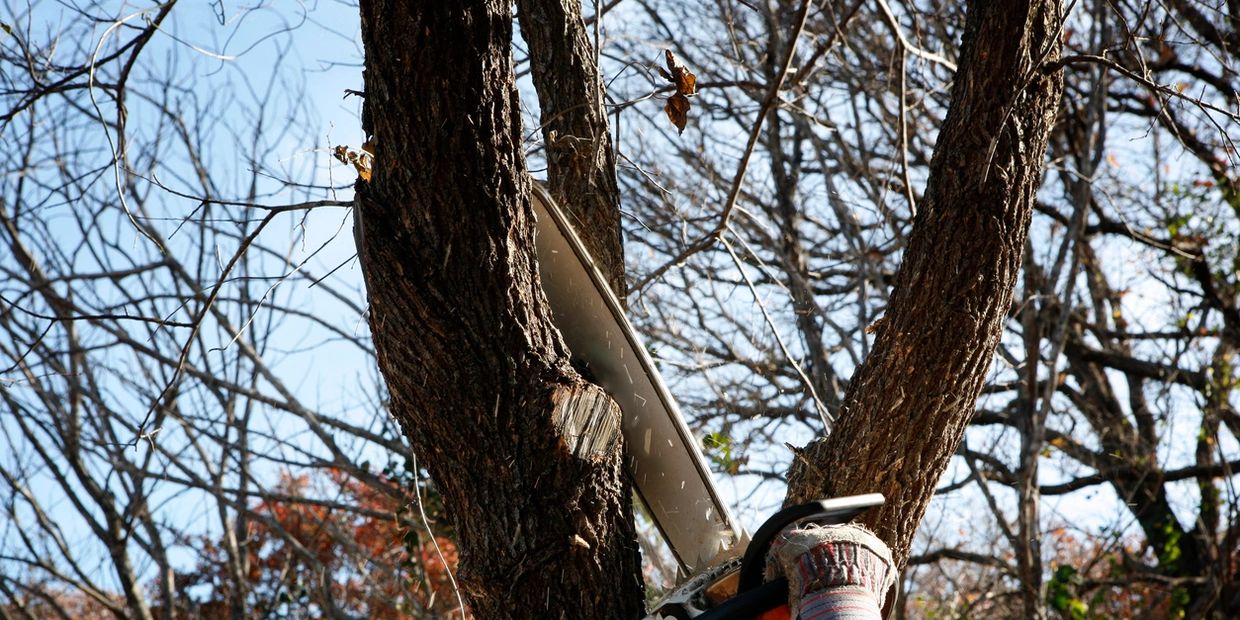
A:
(834, 572)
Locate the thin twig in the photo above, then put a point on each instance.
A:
(908, 180)
(738, 179)
(202, 317)
(823, 414)
(1148, 83)
(906, 45)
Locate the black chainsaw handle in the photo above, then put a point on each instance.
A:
(754, 597)
(748, 605)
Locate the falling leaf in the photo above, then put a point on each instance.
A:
(677, 106)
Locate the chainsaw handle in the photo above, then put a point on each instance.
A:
(754, 598)
(752, 603)
(823, 511)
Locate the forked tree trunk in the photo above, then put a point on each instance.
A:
(908, 403)
(478, 376)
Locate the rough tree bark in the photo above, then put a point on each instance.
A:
(908, 403)
(479, 378)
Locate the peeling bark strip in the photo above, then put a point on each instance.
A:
(909, 402)
(478, 376)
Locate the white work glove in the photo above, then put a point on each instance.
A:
(834, 572)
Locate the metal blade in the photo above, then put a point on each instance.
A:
(667, 466)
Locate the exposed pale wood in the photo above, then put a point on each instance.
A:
(588, 420)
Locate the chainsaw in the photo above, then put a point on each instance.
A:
(720, 565)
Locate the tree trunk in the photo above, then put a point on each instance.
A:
(581, 163)
(907, 405)
(479, 378)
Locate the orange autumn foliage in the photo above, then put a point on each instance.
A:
(306, 555)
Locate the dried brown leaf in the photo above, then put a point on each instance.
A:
(677, 106)
(360, 160)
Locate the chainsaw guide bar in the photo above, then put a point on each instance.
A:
(665, 462)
